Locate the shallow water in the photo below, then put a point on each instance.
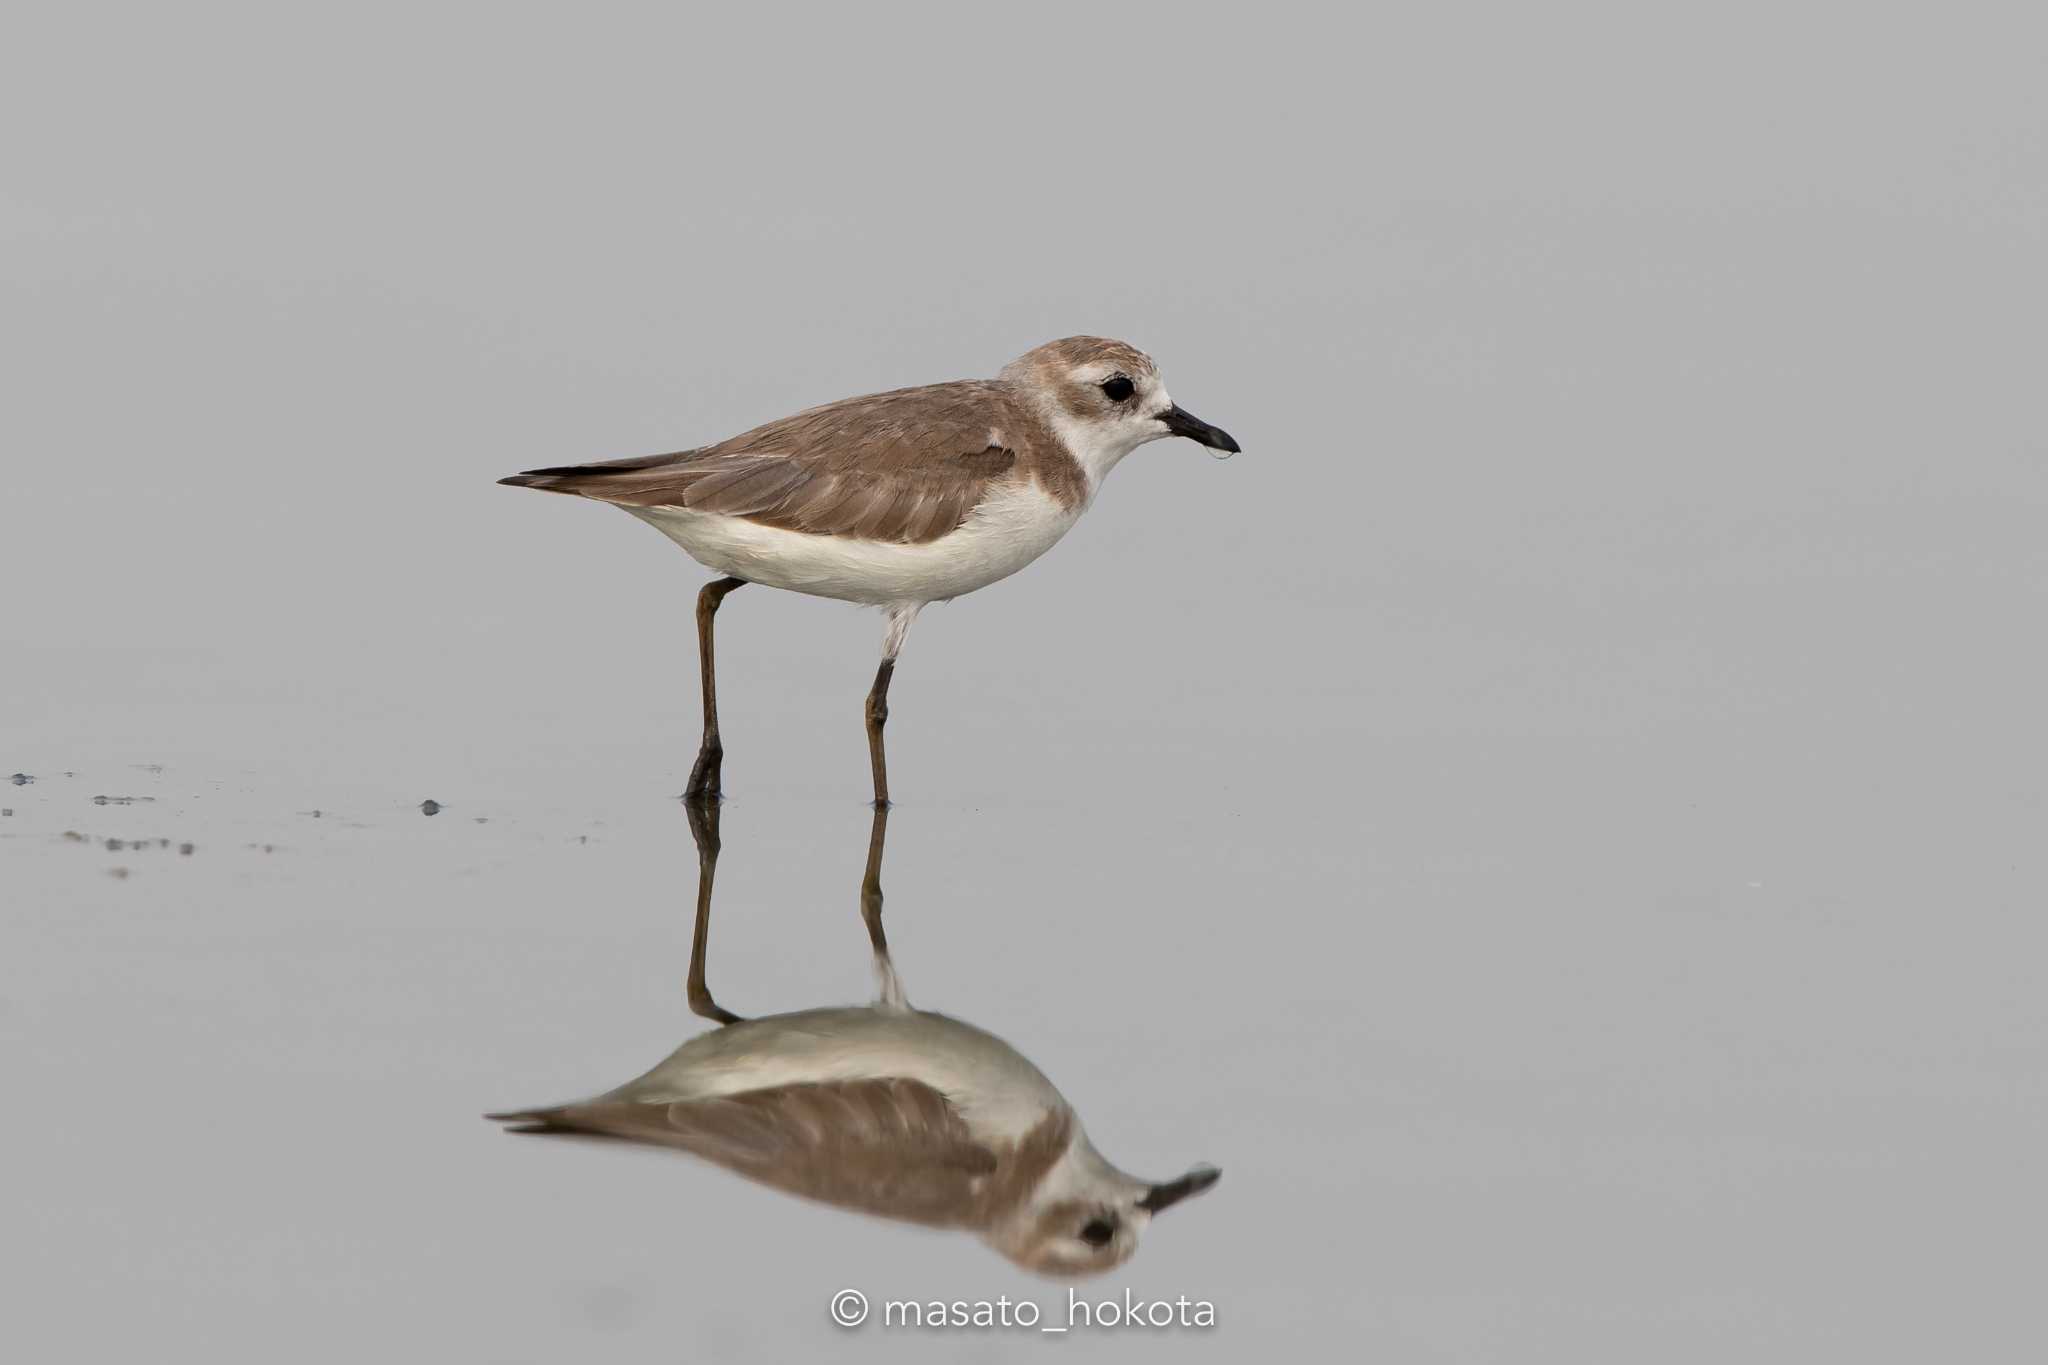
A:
(1476, 1060)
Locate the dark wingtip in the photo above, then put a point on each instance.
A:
(529, 480)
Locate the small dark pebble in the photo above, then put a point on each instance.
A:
(115, 845)
(6, 810)
(74, 836)
(430, 807)
(120, 800)
(21, 779)
(185, 849)
(118, 873)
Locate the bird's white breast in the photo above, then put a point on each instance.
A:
(1015, 524)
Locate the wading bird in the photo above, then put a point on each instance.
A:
(897, 499)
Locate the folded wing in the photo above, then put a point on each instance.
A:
(905, 467)
(890, 1147)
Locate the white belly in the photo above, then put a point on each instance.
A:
(1014, 526)
(998, 1091)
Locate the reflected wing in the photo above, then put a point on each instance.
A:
(892, 1147)
(906, 466)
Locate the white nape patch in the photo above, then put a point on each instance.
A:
(1014, 525)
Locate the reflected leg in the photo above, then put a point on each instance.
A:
(704, 829)
(705, 772)
(890, 987)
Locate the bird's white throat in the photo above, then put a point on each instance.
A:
(1099, 447)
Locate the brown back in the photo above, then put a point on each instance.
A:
(906, 466)
(891, 1147)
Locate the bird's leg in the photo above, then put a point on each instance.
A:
(704, 829)
(890, 986)
(900, 617)
(878, 715)
(704, 773)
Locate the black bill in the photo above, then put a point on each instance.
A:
(1181, 422)
(1173, 1191)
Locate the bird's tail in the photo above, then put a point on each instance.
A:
(586, 480)
(547, 1120)
(534, 478)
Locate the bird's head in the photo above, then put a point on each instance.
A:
(1105, 399)
(1085, 1216)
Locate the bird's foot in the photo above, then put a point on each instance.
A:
(705, 773)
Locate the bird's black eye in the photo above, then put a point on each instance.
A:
(1117, 388)
(1098, 1231)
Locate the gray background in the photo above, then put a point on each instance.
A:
(1558, 820)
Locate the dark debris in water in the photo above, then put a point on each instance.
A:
(120, 800)
(21, 779)
(430, 807)
(116, 845)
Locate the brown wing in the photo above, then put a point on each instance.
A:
(905, 466)
(892, 1147)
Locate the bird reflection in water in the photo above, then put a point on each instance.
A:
(884, 1109)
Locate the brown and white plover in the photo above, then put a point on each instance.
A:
(895, 499)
